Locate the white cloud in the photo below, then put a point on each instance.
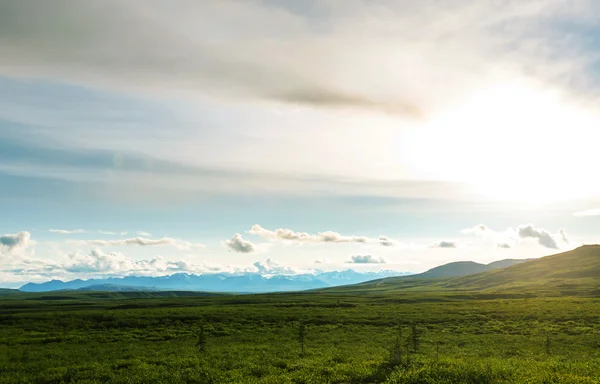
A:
(141, 241)
(238, 244)
(66, 231)
(99, 263)
(511, 237)
(143, 234)
(476, 230)
(112, 233)
(15, 241)
(366, 259)
(282, 234)
(270, 267)
(587, 212)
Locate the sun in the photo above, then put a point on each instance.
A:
(511, 142)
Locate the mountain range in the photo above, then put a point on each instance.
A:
(217, 282)
(256, 283)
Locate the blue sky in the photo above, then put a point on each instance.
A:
(151, 142)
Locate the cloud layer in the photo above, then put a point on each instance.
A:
(189, 48)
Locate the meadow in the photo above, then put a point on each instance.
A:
(372, 337)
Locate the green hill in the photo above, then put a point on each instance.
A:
(576, 272)
(573, 272)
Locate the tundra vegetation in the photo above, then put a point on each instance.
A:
(371, 338)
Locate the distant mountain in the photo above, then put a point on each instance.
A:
(218, 282)
(465, 268)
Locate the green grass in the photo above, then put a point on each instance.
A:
(110, 338)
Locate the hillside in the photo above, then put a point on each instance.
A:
(573, 272)
(432, 280)
(576, 272)
(464, 268)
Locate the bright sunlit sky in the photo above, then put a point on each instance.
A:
(148, 138)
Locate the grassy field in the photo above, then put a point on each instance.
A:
(350, 338)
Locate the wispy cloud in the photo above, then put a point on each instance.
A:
(112, 233)
(179, 49)
(143, 234)
(587, 212)
(66, 231)
(144, 242)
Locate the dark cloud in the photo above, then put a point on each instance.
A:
(238, 244)
(544, 237)
(17, 240)
(366, 259)
(444, 244)
(386, 241)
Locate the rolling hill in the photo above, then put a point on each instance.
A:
(575, 272)
(464, 268)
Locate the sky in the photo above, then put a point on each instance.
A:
(143, 138)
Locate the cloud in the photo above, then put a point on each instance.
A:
(143, 234)
(477, 230)
(445, 244)
(66, 232)
(512, 236)
(269, 267)
(18, 240)
(112, 233)
(386, 241)
(99, 262)
(363, 51)
(564, 236)
(366, 259)
(587, 212)
(544, 237)
(144, 242)
(238, 244)
(303, 237)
